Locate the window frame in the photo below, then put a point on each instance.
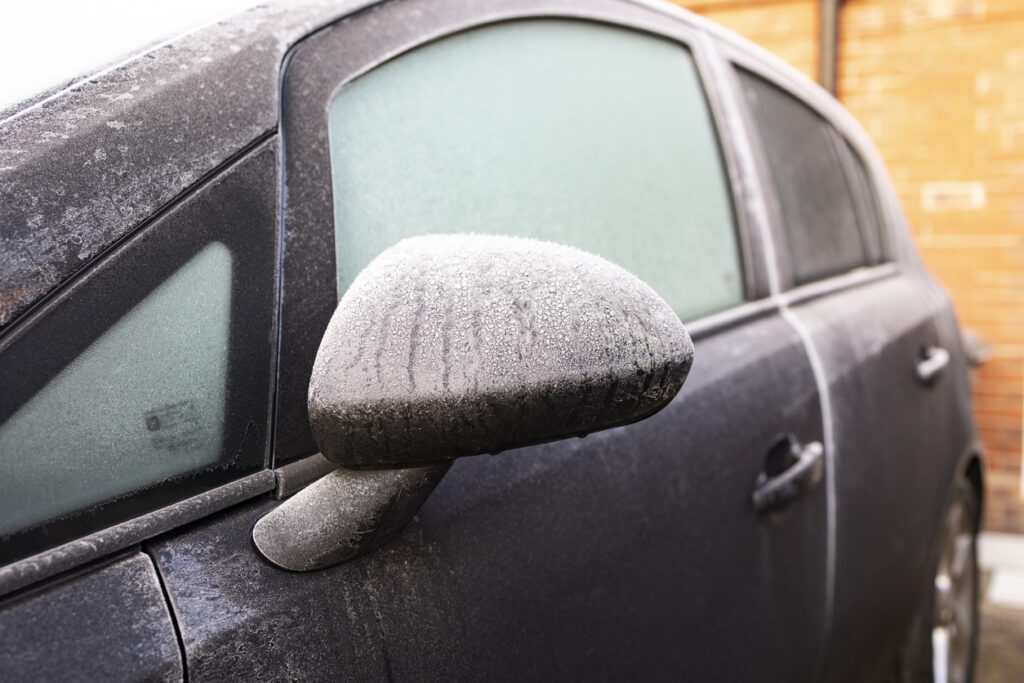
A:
(878, 202)
(864, 196)
(324, 63)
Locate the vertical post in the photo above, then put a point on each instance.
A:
(828, 43)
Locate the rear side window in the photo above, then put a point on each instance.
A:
(576, 133)
(870, 216)
(827, 230)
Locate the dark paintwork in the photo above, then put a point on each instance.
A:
(870, 337)
(632, 553)
(111, 624)
(896, 445)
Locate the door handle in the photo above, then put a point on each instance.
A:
(934, 360)
(802, 474)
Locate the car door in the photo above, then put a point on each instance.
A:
(632, 552)
(878, 325)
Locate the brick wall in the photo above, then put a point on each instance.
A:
(939, 85)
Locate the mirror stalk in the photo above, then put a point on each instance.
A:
(344, 514)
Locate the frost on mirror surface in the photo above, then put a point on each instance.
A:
(575, 133)
(142, 403)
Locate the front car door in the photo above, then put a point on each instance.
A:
(635, 551)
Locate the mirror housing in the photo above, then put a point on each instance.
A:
(455, 345)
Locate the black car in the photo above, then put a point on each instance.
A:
(333, 254)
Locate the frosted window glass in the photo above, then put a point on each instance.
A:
(142, 403)
(818, 210)
(576, 133)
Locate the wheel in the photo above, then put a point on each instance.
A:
(944, 636)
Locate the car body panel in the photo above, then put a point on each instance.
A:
(631, 551)
(871, 336)
(897, 443)
(110, 623)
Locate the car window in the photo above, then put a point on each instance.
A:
(577, 133)
(823, 227)
(142, 403)
(870, 216)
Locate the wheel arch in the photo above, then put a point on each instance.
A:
(972, 468)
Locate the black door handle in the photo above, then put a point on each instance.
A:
(802, 473)
(934, 360)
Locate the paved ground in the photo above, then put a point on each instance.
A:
(1001, 649)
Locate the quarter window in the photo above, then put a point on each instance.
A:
(146, 379)
(143, 403)
(827, 230)
(576, 133)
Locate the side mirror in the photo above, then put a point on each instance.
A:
(455, 345)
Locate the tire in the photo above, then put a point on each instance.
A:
(943, 639)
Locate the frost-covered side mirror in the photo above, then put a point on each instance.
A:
(456, 345)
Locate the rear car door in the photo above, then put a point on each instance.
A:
(877, 323)
(632, 552)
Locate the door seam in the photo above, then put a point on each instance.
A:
(825, 401)
(761, 221)
(171, 611)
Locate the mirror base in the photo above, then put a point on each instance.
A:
(342, 515)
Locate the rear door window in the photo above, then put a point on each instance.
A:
(870, 214)
(828, 231)
(576, 133)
